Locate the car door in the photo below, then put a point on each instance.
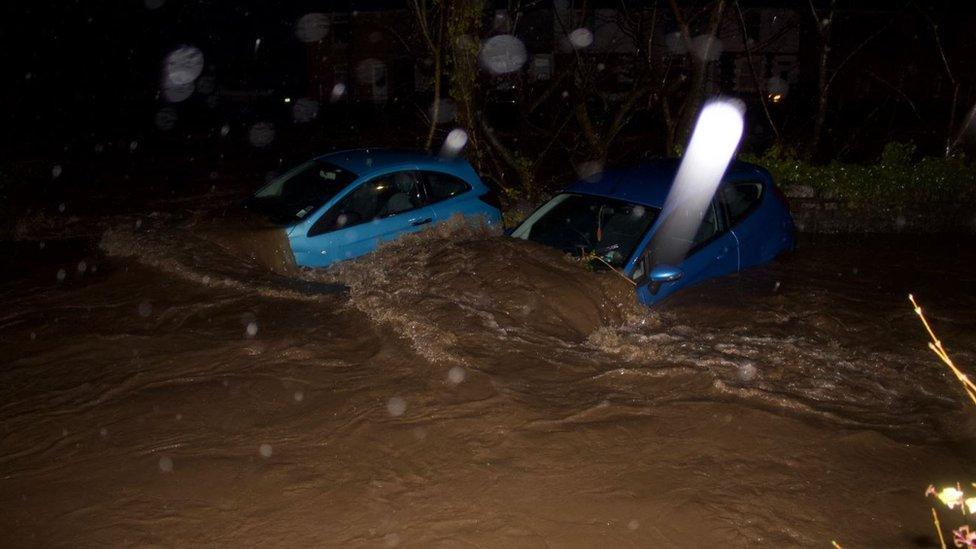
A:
(741, 200)
(713, 253)
(377, 211)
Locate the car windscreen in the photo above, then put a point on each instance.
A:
(293, 196)
(583, 224)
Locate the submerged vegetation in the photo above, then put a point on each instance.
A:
(951, 496)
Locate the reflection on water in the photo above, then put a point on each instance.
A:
(462, 388)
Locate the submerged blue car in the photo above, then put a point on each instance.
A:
(615, 217)
(343, 205)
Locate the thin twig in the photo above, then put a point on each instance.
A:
(936, 346)
(938, 527)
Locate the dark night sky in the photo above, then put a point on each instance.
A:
(80, 67)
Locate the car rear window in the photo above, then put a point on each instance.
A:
(740, 198)
(441, 186)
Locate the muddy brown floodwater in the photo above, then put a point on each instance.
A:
(162, 387)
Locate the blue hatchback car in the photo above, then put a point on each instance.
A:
(343, 205)
(614, 216)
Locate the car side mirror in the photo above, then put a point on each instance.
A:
(662, 274)
(665, 273)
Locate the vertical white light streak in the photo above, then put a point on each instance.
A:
(713, 143)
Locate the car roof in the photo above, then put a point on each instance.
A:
(365, 162)
(649, 182)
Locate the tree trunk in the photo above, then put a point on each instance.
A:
(463, 28)
(823, 77)
(700, 65)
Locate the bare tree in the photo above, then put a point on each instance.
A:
(824, 22)
(760, 91)
(430, 18)
(950, 126)
(698, 58)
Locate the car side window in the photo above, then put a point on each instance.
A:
(712, 224)
(441, 186)
(378, 198)
(709, 226)
(741, 198)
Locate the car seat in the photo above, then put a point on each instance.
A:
(401, 200)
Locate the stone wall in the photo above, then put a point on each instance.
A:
(820, 214)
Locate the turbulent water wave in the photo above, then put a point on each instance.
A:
(256, 261)
(456, 285)
(462, 294)
(466, 388)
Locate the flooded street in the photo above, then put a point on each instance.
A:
(162, 387)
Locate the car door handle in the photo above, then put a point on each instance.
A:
(420, 221)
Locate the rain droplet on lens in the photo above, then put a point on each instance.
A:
(261, 134)
(456, 375)
(154, 4)
(338, 91)
(82, 266)
(581, 38)
(305, 110)
(312, 27)
(299, 396)
(166, 118)
(707, 47)
(503, 54)
(56, 171)
(396, 406)
(61, 274)
(61, 207)
(145, 309)
(178, 93)
(454, 142)
(252, 329)
(675, 43)
(182, 66)
(370, 71)
(265, 450)
(747, 372)
(166, 464)
(590, 171)
(446, 111)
